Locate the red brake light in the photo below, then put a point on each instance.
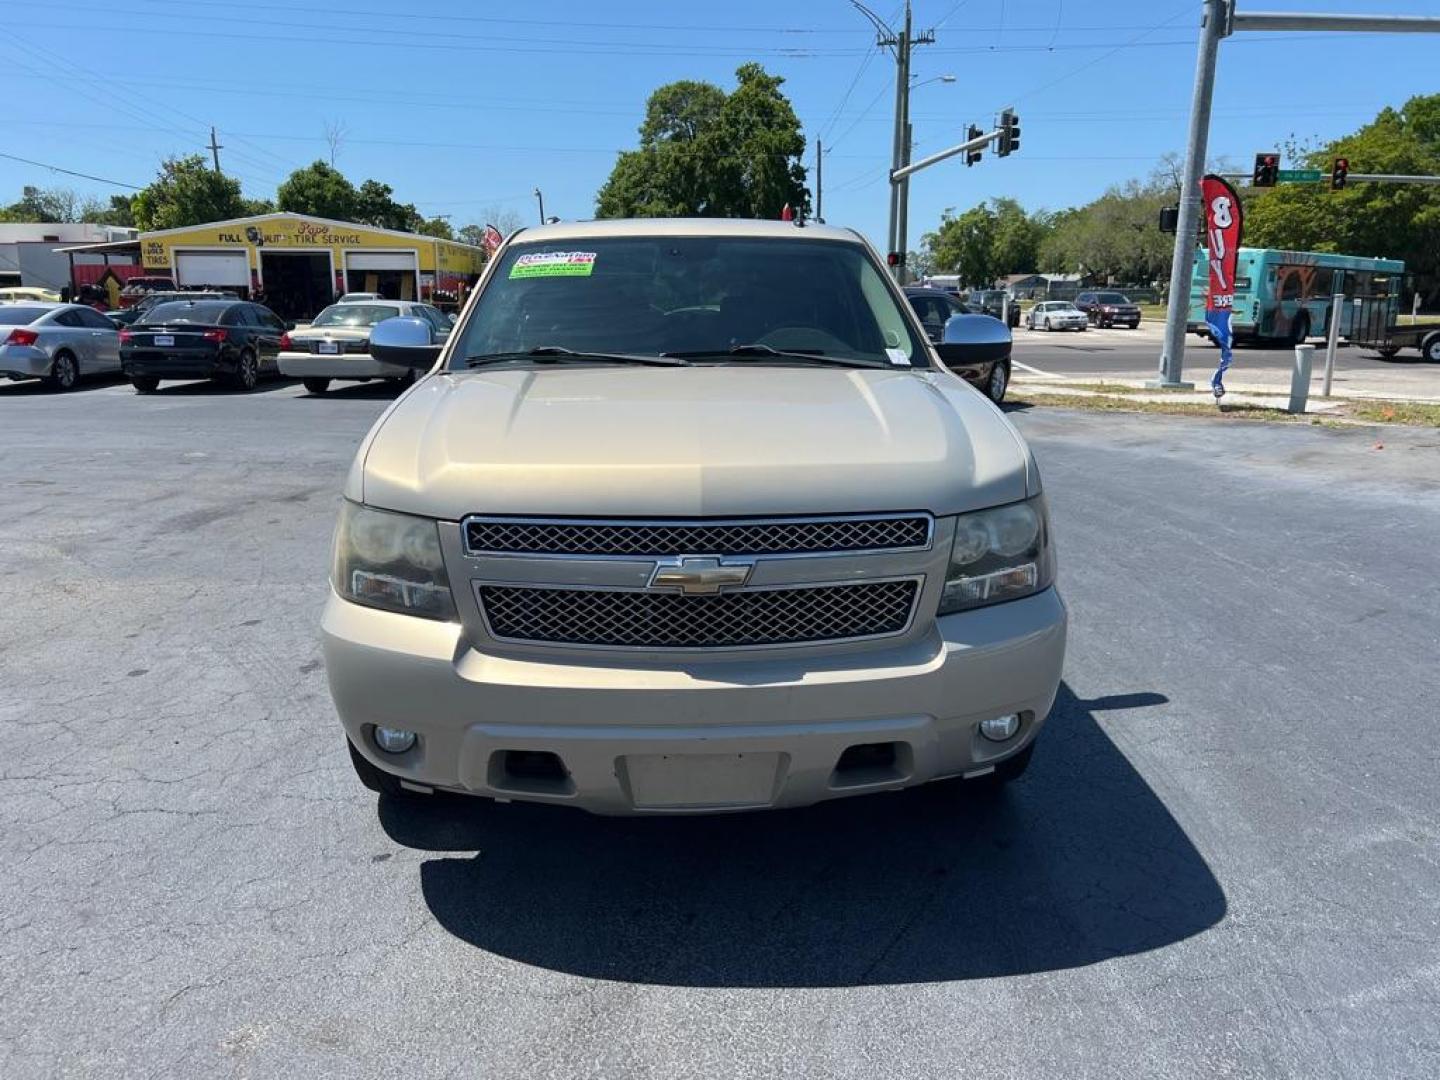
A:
(285, 341)
(21, 336)
(214, 335)
(126, 336)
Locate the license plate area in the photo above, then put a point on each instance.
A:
(702, 781)
(164, 339)
(328, 348)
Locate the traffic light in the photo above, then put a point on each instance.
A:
(1338, 173)
(1169, 219)
(893, 259)
(1009, 133)
(973, 157)
(1267, 170)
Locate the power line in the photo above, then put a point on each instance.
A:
(72, 172)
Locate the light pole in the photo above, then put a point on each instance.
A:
(541, 199)
(902, 226)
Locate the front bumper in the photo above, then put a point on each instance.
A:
(298, 365)
(23, 362)
(783, 722)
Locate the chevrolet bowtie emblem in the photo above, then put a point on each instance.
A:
(699, 576)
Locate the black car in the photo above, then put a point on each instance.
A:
(935, 308)
(1109, 309)
(202, 339)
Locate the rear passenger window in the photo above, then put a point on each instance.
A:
(69, 318)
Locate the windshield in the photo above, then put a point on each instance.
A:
(697, 296)
(355, 314)
(21, 316)
(206, 313)
(1113, 298)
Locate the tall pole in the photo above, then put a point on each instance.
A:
(902, 236)
(1172, 358)
(897, 144)
(215, 148)
(819, 182)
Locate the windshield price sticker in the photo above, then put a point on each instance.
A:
(898, 357)
(554, 264)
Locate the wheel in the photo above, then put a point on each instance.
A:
(998, 382)
(1048, 327)
(377, 779)
(1389, 352)
(64, 372)
(144, 384)
(316, 385)
(1300, 330)
(247, 372)
(1431, 349)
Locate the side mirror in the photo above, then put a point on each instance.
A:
(405, 340)
(974, 339)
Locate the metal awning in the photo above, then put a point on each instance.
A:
(109, 247)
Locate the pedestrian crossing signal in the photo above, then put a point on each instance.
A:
(1267, 170)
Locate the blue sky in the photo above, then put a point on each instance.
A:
(465, 106)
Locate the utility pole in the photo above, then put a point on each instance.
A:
(1220, 21)
(215, 148)
(899, 45)
(819, 183)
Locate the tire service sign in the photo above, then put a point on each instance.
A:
(1224, 218)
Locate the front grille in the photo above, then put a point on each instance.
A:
(657, 620)
(777, 536)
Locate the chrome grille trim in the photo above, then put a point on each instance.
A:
(566, 538)
(595, 617)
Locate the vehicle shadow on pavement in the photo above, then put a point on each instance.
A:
(1078, 862)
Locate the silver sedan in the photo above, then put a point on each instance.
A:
(56, 343)
(1056, 315)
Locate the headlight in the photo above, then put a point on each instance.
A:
(1000, 554)
(391, 561)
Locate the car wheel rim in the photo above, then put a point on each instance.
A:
(65, 372)
(997, 383)
(247, 372)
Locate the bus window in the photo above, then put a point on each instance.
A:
(1290, 285)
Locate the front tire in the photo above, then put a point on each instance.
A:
(1430, 349)
(316, 385)
(998, 382)
(1048, 328)
(64, 372)
(144, 384)
(247, 372)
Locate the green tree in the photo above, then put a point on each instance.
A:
(319, 189)
(1398, 221)
(45, 205)
(705, 153)
(964, 245)
(437, 227)
(187, 192)
(375, 205)
(1015, 245)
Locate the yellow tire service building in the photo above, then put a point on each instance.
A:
(297, 264)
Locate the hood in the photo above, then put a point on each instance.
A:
(691, 442)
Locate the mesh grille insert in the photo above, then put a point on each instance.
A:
(700, 538)
(602, 617)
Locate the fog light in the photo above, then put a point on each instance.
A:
(394, 740)
(1000, 728)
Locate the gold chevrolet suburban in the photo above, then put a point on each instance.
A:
(690, 516)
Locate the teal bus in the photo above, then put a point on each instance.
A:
(1285, 296)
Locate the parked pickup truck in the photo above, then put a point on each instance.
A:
(687, 517)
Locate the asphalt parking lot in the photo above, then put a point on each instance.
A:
(1223, 862)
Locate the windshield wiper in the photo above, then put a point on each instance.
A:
(560, 353)
(814, 356)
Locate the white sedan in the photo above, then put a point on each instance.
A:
(1056, 315)
(336, 345)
